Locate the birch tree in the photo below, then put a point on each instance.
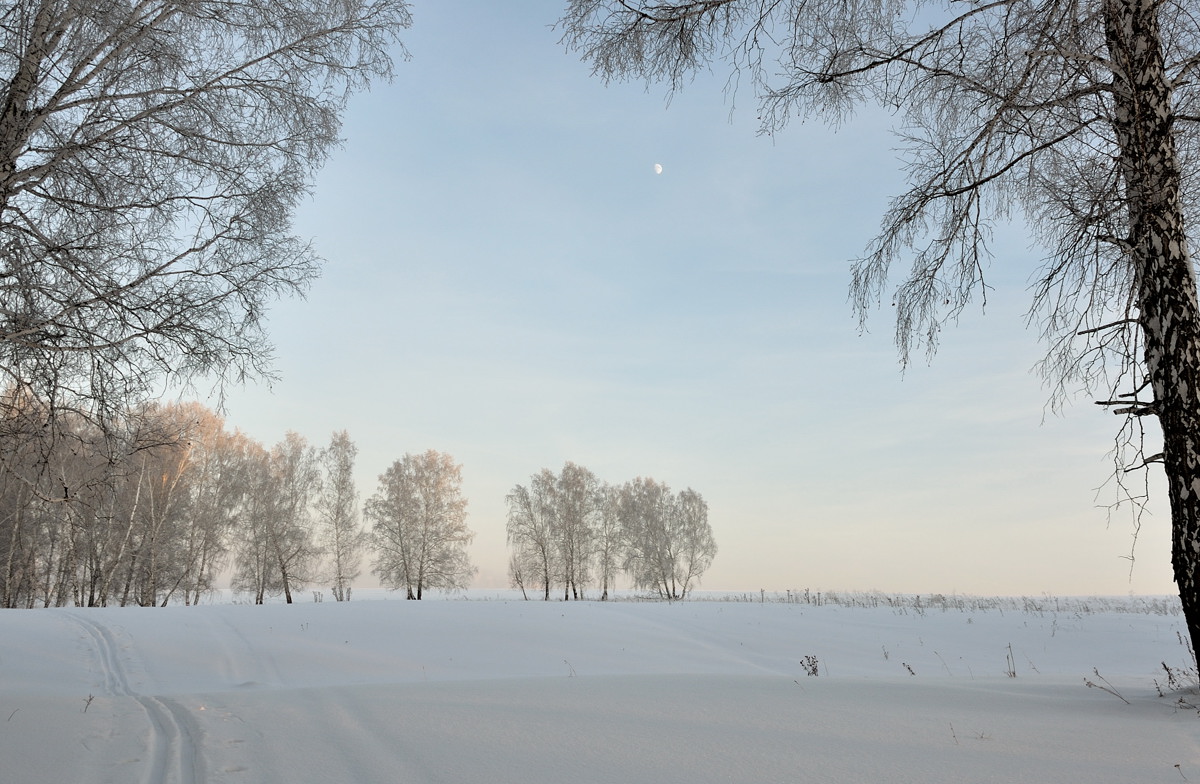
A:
(158, 492)
(19, 529)
(254, 573)
(610, 543)
(668, 541)
(552, 527)
(577, 513)
(184, 501)
(276, 553)
(530, 531)
(151, 156)
(696, 546)
(419, 533)
(1081, 116)
(337, 509)
(289, 531)
(214, 503)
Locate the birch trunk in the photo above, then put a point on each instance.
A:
(1165, 278)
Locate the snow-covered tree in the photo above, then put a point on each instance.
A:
(337, 511)
(531, 533)
(609, 538)
(276, 548)
(576, 518)
(419, 532)
(669, 543)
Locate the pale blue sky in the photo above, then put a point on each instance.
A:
(508, 281)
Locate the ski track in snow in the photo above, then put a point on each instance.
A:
(263, 669)
(174, 735)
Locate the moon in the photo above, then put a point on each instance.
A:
(658, 168)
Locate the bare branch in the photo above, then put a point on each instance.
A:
(1102, 327)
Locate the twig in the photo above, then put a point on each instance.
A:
(1152, 459)
(1108, 687)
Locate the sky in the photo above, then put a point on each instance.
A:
(509, 281)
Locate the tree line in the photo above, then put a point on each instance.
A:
(570, 530)
(166, 501)
(157, 505)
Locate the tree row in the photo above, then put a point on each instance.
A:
(568, 530)
(159, 505)
(164, 503)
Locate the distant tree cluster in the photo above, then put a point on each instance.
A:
(153, 508)
(570, 530)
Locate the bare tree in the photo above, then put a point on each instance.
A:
(516, 573)
(216, 498)
(1081, 115)
(158, 489)
(151, 155)
(420, 533)
(255, 573)
(610, 543)
(576, 518)
(531, 533)
(290, 529)
(337, 508)
(275, 549)
(697, 547)
(669, 543)
(20, 542)
(552, 528)
(644, 512)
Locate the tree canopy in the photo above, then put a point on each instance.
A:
(151, 155)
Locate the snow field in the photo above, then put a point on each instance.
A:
(536, 692)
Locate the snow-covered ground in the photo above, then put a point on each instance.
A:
(554, 693)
